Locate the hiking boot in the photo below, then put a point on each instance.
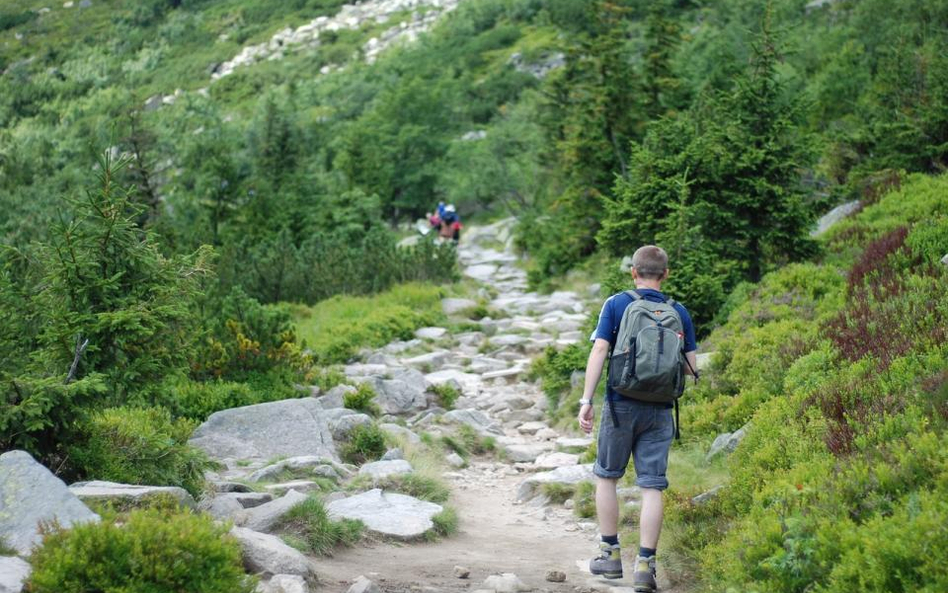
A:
(643, 579)
(608, 563)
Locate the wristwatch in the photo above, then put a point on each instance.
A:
(585, 402)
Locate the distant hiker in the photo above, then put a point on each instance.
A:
(434, 219)
(450, 224)
(649, 341)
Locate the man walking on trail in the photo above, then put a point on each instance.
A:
(650, 341)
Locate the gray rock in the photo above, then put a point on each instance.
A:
(335, 397)
(363, 585)
(703, 361)
(555, 460)
(726, 443)
(577, 378)
(944, 260)
(267, 554)
(342, 421)
(469, 382)
(250, 500)
(30, 493)
(556, 576)
(455, 460)
(387, 514)
(291, 427)
(225, 507)
(221, 486)
(298, 485)
(475, 419)
(707, 496)
(430, 360)
(13, 574)
(488, 326)
(462, 572)
(392, 454)
(452, 306)
(430, 333)
(569, 476)
(843, 210)
(284, 583)
(401, 431)
(525, 453)
(570, 444)
(505, 583)
(380, 470)
(309, 464)
(266, 516)
(97, 491)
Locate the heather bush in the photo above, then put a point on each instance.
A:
(146, 550)
(362, 399)
(309, 524)
(364, 443)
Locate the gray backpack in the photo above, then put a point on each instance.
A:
(647, 362)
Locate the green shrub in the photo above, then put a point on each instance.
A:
(309, 523)
(475, 442)
(554, 369)
(140, 446)
(558, 493)
(198, 400)
(335, 329)
(447, 395)
(445, 523)
(5, 549)
(365, 443)
(363, 400)
(928, 239)
(147, 551)
(584, 500)
(454, 444)
(325, 378)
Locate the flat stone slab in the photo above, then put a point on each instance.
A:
(451, 306)
(311, 464)
(291, 427)
(469, 382)
(31, 494)
(13, 574)
(387, 513)
(527, 452)
(555, 460)
(482, 272)
(573, 442)
(569, 476)
(98, 490)
(380, 470)
(430, 333)
(476, 419)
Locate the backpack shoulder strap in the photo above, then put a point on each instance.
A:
(634, 295)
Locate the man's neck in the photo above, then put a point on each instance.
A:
(653, 284)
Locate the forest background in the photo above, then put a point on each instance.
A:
(186, 238)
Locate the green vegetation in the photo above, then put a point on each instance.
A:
(147, 550)
(365, 443)
(362, 399)
(584, 500)
(445, 523)
(5, 549)
(309, 523)
(447, 395)
(140, 446)
(335, 329)
(842, 378)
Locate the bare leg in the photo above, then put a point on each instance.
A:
(607, 506)
(650, 523)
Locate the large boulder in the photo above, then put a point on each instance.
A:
(268, 555)
(387, 514)
(838, 213)
(396, 396)
(343, 421)
(284, 583)
(727, 442)
(266, 516)
(567, 476)
(31, 494)
(13, 574)
(129, 494)
(291, 427)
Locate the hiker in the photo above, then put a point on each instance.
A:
(649, 341)
(450, 224)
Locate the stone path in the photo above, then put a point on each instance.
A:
(506, 525)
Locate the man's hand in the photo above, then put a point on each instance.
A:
(586, 418)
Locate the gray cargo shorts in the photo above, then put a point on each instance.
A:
(645, 433)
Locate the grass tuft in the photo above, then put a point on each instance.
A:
(308, 526)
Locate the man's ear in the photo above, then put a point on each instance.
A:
(665, 277)
(634, 275)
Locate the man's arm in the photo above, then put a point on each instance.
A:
(597, 356)
(692, 365)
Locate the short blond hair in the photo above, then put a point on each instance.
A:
(650, 262)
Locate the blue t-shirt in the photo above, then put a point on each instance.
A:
(611, 316)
